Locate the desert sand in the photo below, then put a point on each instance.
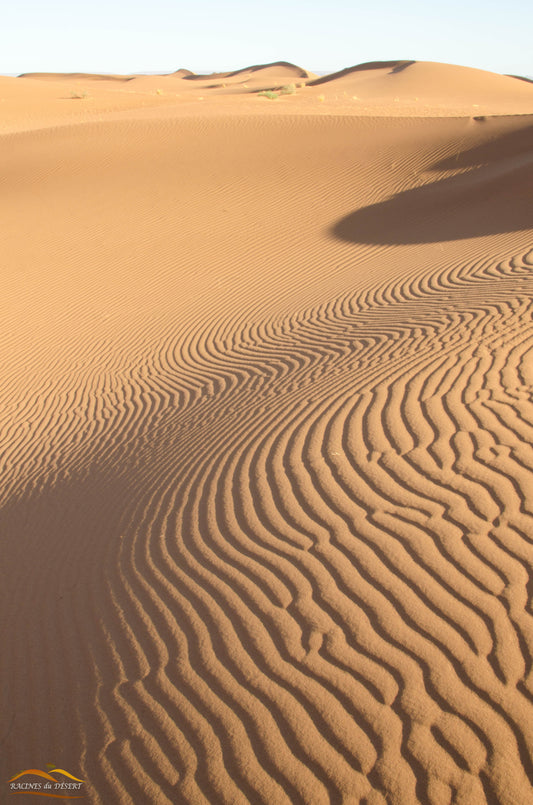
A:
(266, 435)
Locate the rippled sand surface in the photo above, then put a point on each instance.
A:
(266, 428)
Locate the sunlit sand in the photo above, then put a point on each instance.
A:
(266, 427)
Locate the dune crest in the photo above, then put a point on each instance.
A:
(405, 89)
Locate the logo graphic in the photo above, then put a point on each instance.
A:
(25, 782)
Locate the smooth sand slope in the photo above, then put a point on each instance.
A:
(266, 427)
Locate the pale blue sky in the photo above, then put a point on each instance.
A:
(163, 35)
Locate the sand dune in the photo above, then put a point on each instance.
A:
(266, 498)
(378, 89)
(429, 82)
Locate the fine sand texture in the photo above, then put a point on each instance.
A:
(266, 433)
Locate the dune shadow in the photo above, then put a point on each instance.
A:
(492, 195)
(63, 531)
(392, 66)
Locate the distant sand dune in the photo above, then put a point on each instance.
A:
(76, 76)
(378, 89)
(389, 67)
(424, 81)
(267, 450)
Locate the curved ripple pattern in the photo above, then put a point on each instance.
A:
(327, 574)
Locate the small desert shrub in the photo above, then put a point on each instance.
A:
(288, 89)
(267, 93)
(79, 95)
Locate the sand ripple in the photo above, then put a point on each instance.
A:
(288, 556)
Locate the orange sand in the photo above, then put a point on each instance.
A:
(266, 427)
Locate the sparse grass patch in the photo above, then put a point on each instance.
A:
(267, 93)
(79, 95)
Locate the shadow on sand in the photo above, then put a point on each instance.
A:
(493, 196)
